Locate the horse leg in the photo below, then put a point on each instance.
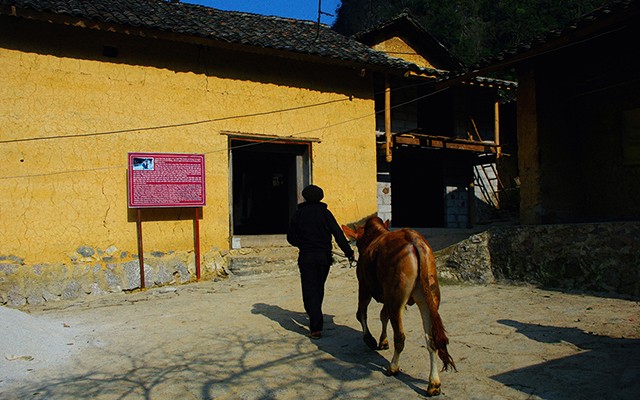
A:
(364, 298)
(398, 339)
(383, 343)
(434, 379)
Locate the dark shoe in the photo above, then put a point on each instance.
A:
(315, 335)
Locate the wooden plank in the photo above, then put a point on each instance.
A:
(440, 142)
(469, 147)
(407, 140)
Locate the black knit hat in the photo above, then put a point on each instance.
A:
(312, 193)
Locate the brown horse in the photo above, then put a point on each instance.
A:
(398, 269)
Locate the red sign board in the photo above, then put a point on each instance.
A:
(166, 180)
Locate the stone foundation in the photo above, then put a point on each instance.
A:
(595, 257)
(95, 272)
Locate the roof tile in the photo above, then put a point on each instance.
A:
(613, 7)
(285, 34)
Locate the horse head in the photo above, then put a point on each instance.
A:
(365, 234)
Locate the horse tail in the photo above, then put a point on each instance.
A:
(431, 290)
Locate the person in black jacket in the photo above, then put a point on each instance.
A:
(310, 230)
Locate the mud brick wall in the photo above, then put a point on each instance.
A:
(58, 194)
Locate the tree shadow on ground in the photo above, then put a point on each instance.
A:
(227, 367)
(353, 359)
(603, 367)
(226, 363)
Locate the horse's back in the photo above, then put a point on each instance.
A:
(412, 256)
(391, 266)
(392, 247)
(393, 260)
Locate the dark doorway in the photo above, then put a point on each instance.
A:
(418, 188)
(267, 177)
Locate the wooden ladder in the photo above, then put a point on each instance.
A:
(486, 178)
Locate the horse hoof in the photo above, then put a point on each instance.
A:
(371, 342)
(383, 346)
(389, 372)
(433, 390)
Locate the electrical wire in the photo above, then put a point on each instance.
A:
(215, 120)
(192, 123)
(177, 125)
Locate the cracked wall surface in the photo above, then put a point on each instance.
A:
(69, 191)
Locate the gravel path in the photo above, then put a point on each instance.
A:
(244, 338)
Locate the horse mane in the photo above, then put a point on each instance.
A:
(375, 224)
(373, 228)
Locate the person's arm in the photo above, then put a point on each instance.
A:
(337, 233)
(292, 234)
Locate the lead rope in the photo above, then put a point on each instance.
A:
(351, 263)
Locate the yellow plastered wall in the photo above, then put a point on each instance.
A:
(398, 47)
(62, 193)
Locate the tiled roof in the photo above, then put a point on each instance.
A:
(406, 22)
(593, 23)
(281, 34)
(558, 37)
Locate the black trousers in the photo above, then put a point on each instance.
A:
(313, 275)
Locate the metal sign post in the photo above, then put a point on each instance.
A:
(161, 180)
(196, 240)
(140, 249)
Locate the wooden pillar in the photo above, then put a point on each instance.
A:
(528, 150)
(387, 119)
(496, 128)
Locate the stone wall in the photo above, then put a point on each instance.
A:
(595, 257)
(92, 271)
(384, 200)
(456, 203)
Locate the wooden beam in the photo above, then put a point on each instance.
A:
(387, 119)
(480, 148)
(441, 142)
(410, 140)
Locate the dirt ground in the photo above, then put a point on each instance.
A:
(244, 338)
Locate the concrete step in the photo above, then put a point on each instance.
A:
(259, 241)
(262, 254)
(259, 256)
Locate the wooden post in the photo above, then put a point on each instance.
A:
(471, 199)
(196, 240)
(531, 197)
(387, 119)
(140, 248)
(496, 128)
